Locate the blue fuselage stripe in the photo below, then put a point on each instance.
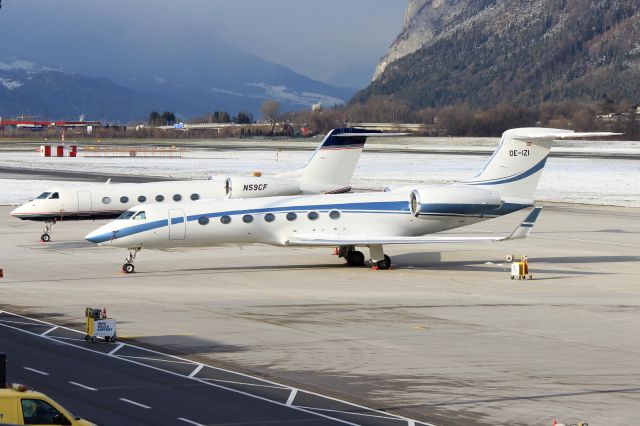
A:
(386, 207)
(513, 178)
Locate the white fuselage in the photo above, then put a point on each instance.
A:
(110, 200)
(277, 220)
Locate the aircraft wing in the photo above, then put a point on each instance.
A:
(522, 231)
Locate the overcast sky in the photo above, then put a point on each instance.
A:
(318, 38)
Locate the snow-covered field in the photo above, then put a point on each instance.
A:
(575, 180)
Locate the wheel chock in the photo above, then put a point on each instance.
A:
(1, 273)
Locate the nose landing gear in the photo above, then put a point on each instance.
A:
(46, 232)
(128, 267)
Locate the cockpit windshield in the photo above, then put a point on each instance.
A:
(126, 215)
(43, 196)
(140, 216)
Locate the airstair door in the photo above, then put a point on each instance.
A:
(177, 224)
(84, 203)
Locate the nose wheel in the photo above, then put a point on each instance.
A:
(128, 267)
(46, 232)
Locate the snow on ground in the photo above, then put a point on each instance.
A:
(575, 180)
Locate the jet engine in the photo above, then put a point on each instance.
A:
(254, 187)
(453, 200)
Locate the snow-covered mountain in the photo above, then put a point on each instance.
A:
(67, 86)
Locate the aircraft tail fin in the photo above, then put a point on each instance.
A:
(331, 167)
(515, 167)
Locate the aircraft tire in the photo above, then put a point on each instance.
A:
(128, 268)
(384, 264)
(355, 258)
(45, 237)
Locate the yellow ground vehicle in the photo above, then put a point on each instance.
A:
(21, 406)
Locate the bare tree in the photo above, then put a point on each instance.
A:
(270, 111)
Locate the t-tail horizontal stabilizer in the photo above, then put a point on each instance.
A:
(525, 228)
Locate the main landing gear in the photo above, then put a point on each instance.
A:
(379, 260)
(46, 233)
(128, 267)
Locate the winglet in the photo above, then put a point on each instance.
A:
(526, 226)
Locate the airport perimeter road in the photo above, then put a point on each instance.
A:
(447, 337)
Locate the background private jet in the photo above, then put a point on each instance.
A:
(329, 170)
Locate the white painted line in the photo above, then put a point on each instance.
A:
(148, 358)
(196, 371)
(191, 422)
(292, 396)
(245, 384)
(36, 371)
(135, 403)
(411, 423)
(24, 323)
(388, 417)
(116, 349)
(49, 331)
(84, 386)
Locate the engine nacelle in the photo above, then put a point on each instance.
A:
(453, 200)
(254, 187)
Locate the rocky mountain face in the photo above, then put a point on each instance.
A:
(484, 52)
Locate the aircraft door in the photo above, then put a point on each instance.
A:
(84, 203)
(177, 224)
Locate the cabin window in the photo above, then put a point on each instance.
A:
(334, 214)
(195, 197)
(313, 215)
(159, 198)
(106, 200)
(126, 215)
(291, 216)
(140, 216)
(43, 196)
(142, 199)
(54, 196)
(269, 217)
(124, 200)
(203, 220)
(225, 219)
(177, 197)
(247, 218)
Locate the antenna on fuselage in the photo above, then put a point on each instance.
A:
(108, 181)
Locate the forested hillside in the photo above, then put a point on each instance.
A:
(513, 52)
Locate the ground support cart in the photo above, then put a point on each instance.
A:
(98, 325)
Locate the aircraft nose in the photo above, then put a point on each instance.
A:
(101, 235)
(17, 211)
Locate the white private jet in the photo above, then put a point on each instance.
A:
(401, 216)
(329, 170)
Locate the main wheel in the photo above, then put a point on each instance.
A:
(384, 264)
(128, 268)
(45, 237)
(355, 258)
